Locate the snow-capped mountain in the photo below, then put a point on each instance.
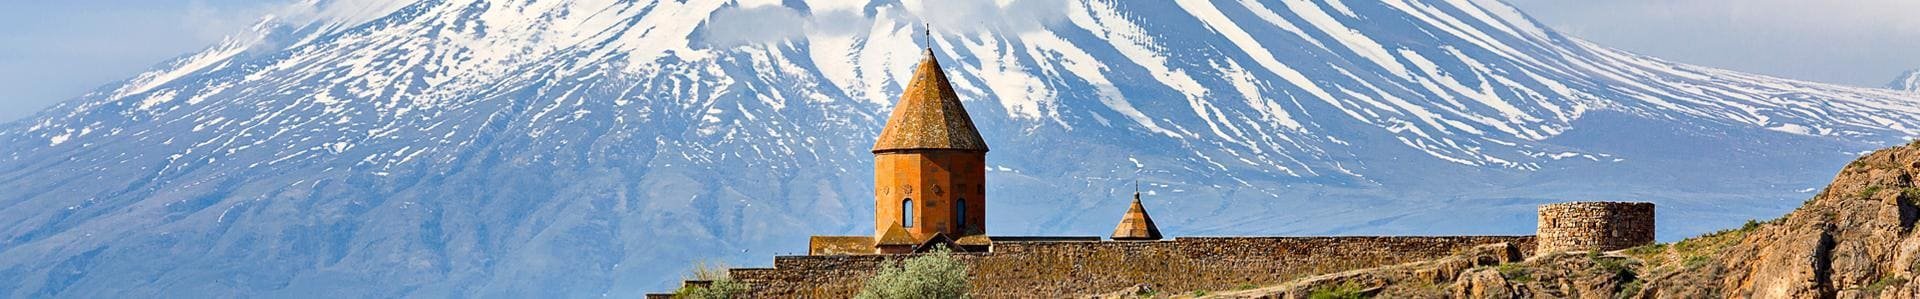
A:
(579, 148)
(1909, 81)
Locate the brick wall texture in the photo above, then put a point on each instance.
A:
(1053, 269)
(1588, 226)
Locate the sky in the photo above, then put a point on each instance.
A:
(1854, 42)
(52, 51)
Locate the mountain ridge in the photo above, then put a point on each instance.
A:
(491, 146)
(1908, 81)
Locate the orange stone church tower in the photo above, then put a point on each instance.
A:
(929, 166)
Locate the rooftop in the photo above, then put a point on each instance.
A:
(929, 115)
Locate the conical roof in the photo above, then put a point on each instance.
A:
(929, 115)
(895, 235)
(1136, 225)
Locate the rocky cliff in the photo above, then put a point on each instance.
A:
(1853, 240)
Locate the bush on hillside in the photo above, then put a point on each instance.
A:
(722, 285)
(932, 275)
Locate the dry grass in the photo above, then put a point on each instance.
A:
(1692, 252)
(708, 271)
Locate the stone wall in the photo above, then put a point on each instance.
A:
(1588, 226)
(1025, 269)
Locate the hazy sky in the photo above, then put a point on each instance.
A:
(51, 51)
(1854, 42)
(55, 50)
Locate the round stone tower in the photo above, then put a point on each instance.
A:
(1590, 226)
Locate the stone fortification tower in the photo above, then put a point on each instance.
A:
(929, 165)
(1590, 226)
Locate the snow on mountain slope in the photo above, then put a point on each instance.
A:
(581, 147)
(1909, 81)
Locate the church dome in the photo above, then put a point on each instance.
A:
(929, 115)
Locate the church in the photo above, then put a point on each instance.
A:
(930, 179)
(930, 191)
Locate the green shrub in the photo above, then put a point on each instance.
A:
(1883, 283)
(1630, 288)
(1346, 290)
(1616, 267)
(720, 289)
(932, 275)
(1869, 191)
(722, 285)
(1696, 261)
(1648, 249)
(1653, 255)
(1515, 273)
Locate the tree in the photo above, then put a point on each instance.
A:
(934, 274)
(721, 286)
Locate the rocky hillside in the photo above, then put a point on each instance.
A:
(1853, 240)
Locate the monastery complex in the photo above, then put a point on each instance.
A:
(930, 191)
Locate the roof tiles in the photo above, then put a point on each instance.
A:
(1136, 225)
(929, 115)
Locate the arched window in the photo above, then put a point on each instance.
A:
(960, 214)
(906, 213)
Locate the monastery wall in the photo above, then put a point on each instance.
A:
(1025, 269)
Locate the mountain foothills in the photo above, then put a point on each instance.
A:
(1853, 240)
(559, 148)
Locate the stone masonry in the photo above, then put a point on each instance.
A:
(1590, 226)
(1079, 268)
